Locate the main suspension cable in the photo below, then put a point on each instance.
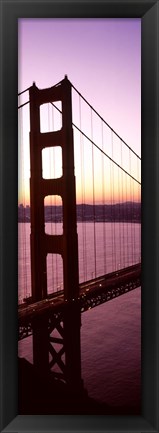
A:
(92, 142)
(93, 109)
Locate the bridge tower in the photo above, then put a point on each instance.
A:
(69, 321)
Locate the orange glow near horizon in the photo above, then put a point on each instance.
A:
(98, 179)
(110, 189)
(56, 200)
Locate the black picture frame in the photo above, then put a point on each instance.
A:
(148, 11)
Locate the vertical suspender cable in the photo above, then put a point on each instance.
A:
(24, 213)
(123, 213)
(111, 240)
(131, 209)
(126, 216)
(82, 195)
(119, 224)
(84, 203)
(139, 201)
(134, 224)
(113, 209)
(103, 200)
(94, 223)
(136, 239)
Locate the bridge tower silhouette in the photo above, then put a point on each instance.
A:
(68, 322)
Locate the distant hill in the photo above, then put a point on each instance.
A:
(118, 212)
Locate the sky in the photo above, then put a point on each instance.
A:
(102, 59)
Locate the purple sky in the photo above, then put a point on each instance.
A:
(101, 57)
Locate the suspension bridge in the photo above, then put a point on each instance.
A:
(79, 222)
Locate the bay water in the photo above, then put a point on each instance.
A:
(111, 332)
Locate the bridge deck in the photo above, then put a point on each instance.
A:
(91, 294)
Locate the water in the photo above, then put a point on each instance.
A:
(111, 344)
(110, 333)
(123, 248)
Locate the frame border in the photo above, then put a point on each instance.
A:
(148, 11)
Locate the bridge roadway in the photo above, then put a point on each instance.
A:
(91, 293)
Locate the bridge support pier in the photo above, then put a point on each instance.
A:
(50, 349)
(41, 345)
(72, 324)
